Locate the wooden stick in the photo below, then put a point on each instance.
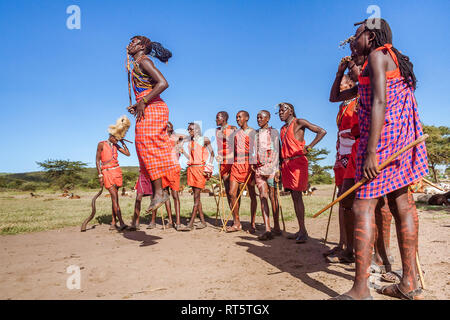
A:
(162, 219)
(422, 282)
(129, 79)
(83, 226)
(220, 199)
(279, 207)
(237, 199)
(329, 216)
(127, 140)
(432, 184)
(222, 212)
(217, 201)
(381, 167)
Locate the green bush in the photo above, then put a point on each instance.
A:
(93, 184)
(14, 184)
(28, 186)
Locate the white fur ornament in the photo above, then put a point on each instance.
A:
(119, 130)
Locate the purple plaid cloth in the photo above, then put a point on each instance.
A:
(401, 127)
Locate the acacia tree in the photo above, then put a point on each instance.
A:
(438, 147)
(63, 173)
(318, 174)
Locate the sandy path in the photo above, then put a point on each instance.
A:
(202, 264)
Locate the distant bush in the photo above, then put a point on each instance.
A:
(3, 182)
(14, 184)
(93, 183)
(28, 186)
(129, 178)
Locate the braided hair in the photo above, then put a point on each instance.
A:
(383, 35)
(155, 49)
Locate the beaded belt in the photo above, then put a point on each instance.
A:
(107, 169)
(292, 158)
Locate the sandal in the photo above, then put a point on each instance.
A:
(347, 297)
(201, 225)
(392, 276)
(276, 232)
(252, 230)
(292, 236)
(122, 228)
(169, 225)
(266, 236)
(152, 225)
(113, 227)
(156, 204)
(234, 229)
(395, 276)
(393, 290)
(332, 251)
(302, 238)
(381, 269)
(340, 258)
(181, 227)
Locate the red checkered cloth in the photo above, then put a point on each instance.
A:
(401, 127)
(153, 146)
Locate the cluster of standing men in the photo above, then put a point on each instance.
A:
(378, 117)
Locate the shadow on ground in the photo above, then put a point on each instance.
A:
(299, 261)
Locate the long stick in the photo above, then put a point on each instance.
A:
(162, 219)
(83, 226)
(279, 207)
(432, 184)
(422, 282)
(220, 199)
(381, 167)
(329, 216)
(237, 199)
(129, 80)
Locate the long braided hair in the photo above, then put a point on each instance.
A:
(383, 35)
(155, 49)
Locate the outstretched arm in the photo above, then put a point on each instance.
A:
(320, 132)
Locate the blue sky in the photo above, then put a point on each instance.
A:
(61, 88)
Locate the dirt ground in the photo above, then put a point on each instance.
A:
(202, 264)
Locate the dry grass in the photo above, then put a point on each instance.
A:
(20, 213)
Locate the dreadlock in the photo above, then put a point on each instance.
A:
(383, 35)
(155, 49)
